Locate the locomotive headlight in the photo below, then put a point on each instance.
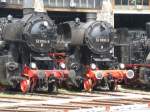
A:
(2, 43)
(130, 74)
(93, 66)
(62, 65)
(33, 65)
(111, 51)
(45, 23)
(99, 74)
(9, 17)
(122, 66)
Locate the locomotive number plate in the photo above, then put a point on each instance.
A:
(38, 41)
(99, 40)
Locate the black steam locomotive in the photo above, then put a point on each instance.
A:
(29, 47)
(90, 47)
(137, 55)
(24, 47)
(89, 42)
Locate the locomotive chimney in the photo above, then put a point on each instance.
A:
(90, 17)
(148, 29)
(28, 6)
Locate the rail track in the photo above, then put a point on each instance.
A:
(75, 102)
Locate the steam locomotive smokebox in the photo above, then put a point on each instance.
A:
(69, 33)
(148, 29)
(73, 32)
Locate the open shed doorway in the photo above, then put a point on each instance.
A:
(58, 17)
(131, 21)
(66, 16)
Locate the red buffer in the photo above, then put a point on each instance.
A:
(106, 78)
(36, 79)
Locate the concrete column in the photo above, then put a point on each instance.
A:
(3, 0)
(28, 6)
(39, 6)
(106, 13)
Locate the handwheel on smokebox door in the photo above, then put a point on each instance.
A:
(25, 85)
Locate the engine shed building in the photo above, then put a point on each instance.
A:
(121, 13)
